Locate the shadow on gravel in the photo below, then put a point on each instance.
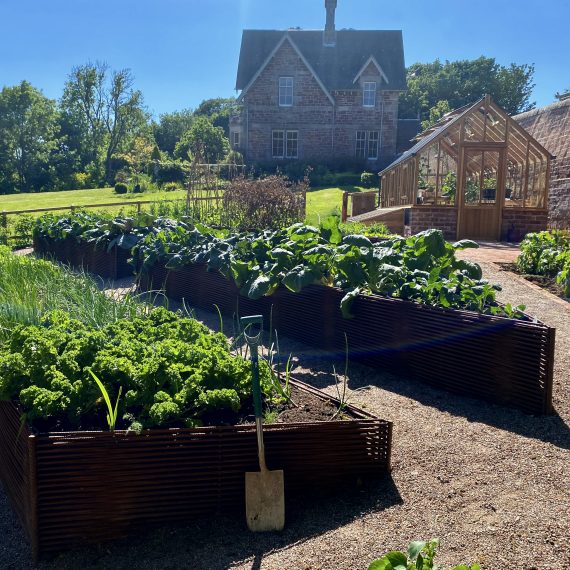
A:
(216, 543)
(549, 429)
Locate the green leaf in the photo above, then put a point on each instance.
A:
(357, 240)
(346, 303)
(262, 286)
(465, 244)
(298, 278)
(473, 269)
(330, 230)
(380, 564)
(415, 548)
(396, 559)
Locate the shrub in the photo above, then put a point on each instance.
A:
(137, 189)
(347, 179)
(170, 187)
(271, 202)
(171, 171)
(369, 180)
(121, 188)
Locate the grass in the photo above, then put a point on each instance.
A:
(30, 287)
(67, 198)
(323, 202)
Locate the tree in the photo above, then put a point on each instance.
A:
(436, 113)
(101, 114)
(29, 139)
(218, 110)
(170, 128)
(203, 142)
(463, 82)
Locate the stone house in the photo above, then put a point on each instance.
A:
(319, 96)
(550, 125)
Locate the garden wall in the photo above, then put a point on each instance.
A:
(504, 361)
(426, 217)
(516, 224)
(74, 488)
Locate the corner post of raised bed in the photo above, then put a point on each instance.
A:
(32, 514)
(549, 380)
(344, 211)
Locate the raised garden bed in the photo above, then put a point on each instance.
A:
(75, 488)
(112, 264)
(503, 361)
(544, 281)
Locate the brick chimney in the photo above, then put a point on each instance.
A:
(329, 36)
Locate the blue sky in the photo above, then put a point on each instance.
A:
(183, 51)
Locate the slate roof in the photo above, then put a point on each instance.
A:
(335, 66)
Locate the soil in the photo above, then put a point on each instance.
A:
(308, 407)
(548, 283)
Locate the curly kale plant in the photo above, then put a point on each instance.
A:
(172, 371)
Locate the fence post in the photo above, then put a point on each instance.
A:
(72, 208)
(4, 222)
(138, 208)
(344, 211)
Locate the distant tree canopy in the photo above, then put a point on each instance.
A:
(203, 142)
(29, 139)
(457, 83)
(218, 111)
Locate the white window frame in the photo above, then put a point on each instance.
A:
(373, 144)
(273, 141)
(360, 150)
(369, 94)
(285, 91)
(291, 143)
(236, 139)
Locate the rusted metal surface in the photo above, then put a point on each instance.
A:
(85, 487)
(108, 264)
(504, 361)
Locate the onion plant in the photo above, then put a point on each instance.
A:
(30, 287)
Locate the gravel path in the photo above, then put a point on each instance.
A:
(491, 483)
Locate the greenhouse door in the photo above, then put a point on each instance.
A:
(481, 194)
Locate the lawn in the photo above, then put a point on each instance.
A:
(322, 202)
(67, 198)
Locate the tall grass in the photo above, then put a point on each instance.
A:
(30, 287)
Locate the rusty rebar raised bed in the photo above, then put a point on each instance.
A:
(501, 360)
(75, 488)
(109, 264)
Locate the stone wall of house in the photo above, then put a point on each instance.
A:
(426, 217)
(515, 223)
(550, 126)
(327, 132)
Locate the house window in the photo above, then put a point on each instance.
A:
(367, 144)
(360, 144)
(285, 91)
(278, 144)
(236, 139)
(285, 144)
(373, 138)
(292, 147)
(369, 94)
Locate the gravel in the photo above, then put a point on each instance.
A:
(490, 482)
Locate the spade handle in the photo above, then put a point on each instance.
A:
(253, 343)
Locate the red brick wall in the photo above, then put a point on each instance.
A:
(550, 126)
(426, 218)
(314, 115)
(517, 223)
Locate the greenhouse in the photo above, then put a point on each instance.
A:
(474, 174)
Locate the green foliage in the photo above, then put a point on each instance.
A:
(422, 268)
(29, 140)
(30, 287)
(170, 128)
(203, 142)
(121, 188)
(173, 372)
(218, 111)
(369, 180)
(547, 253)
(419, 556)
(453, 84)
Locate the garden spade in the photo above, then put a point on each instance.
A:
(264, 490)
